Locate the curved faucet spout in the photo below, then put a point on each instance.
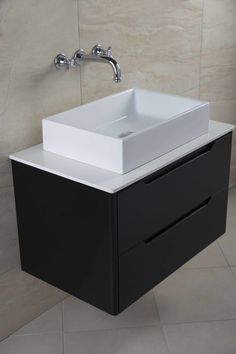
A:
(105, 59)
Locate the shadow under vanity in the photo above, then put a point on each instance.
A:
(107, 238)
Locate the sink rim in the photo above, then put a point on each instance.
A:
(54, 118)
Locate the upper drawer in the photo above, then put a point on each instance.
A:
(159, 199)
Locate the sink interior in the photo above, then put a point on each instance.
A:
(127, 125)
(126, 113)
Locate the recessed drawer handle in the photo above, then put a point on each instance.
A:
(184, 161)
(201, 206)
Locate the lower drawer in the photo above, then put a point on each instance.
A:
(153, 259)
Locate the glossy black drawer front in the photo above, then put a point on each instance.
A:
(150, 205)
(143, 267)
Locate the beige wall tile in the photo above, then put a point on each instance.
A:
(156, 43)
(5, 173)
(232, 179)
(225, 111)
(218, 68)
(22, 298)
(35, 88)
(219, 33)
(31, 34)
(218, 83)
(9, 248)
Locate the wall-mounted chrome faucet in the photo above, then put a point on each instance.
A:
(98, 53)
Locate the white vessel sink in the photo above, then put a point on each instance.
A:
(126, 130)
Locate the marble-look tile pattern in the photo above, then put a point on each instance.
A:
(226, 111)
(218, 64)
(35, 88)
(22, 298)
(31, 34)
(9, 247)
(218, 61)
(157, 43)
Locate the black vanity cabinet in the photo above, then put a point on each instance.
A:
(110, 249)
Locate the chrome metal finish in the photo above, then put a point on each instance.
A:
(98, 54)
(61, 62)
(78, 57)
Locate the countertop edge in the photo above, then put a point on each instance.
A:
(108, 181)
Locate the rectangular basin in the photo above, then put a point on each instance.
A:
(126, 130)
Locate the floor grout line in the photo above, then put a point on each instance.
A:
(162, 328)
(157, 325)
(62, 327)
(198, 321)
(226, 260)
(193, 268)
(34, 334)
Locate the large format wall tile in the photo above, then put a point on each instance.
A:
(9, 249)
(218, 71)
(157, 44)
(225, 111)
(218, 64)
(31, 34)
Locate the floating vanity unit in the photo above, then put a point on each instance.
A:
(107, 237)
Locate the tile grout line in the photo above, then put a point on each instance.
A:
(79, 39)
(62, 327)
(201, 46)
(162, 328)
(198, 321)
(226, 260)
(161, 324)
(194, 268)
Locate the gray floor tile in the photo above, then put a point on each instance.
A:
(210, 257)
(117, 341)
(231, 218)
(228, 244)
(202, 338)
(234, 270)
(49, 321)
(22, 298)
(33, 344)
(197, 295)
(80, 316)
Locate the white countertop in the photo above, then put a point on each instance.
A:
(105, 180)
